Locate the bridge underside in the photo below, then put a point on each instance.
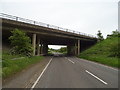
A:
(41, 37)
(40, 43)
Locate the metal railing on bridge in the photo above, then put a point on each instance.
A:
(15, 18)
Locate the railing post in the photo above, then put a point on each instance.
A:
(34, 22)
(16, 18)
(66, 30)
(48, 25)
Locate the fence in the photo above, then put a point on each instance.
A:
(6, 16)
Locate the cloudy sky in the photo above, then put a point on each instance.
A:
(86, 16)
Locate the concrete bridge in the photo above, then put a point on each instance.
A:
(43, 35)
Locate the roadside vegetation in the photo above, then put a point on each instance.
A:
(21, 43)
(106, 51)
(12, 64)
(50, 51)
(63, 50)
(19, 56)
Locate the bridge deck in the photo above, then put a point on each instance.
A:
(38, 27)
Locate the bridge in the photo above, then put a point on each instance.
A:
(42, 35)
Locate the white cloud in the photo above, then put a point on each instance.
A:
(56, 46)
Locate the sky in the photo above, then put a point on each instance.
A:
(87, 16)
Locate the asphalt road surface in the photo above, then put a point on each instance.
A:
(72, 72)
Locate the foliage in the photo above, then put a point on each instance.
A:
(10, 66)
(21, 43)
(51, 49)
(63, 49)
(100, 37)
(104, 52)
(115, 49)
(114, 34)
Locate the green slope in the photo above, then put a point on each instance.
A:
(12, 64)
(101, 52)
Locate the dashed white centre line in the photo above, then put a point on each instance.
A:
(70, 60)
(96, 77)
(41, 74)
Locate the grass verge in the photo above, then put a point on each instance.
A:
(101, 53)
(10, 67)
(110, 61)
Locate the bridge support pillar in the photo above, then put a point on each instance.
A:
(41, 49)
(38, 46)
(75, 48)
(45, 49)
(34, 43)
(78, 47)
(70, 50)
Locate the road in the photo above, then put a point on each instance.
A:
(72, 72)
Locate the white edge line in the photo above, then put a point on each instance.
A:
(96, 77)
(41, 74)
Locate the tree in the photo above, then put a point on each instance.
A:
(21, 43)
(100, 37)
(115, 33)
(63, 49)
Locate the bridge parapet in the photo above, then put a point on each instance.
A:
(15, 18)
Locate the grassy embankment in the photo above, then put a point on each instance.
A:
(101, 52)
(11, 66)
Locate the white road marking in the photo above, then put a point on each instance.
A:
(70, 60)
(41, 74)
(65, 57)
(96, 77)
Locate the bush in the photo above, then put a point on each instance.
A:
(63, 49)
(21, 43)
(105, 52)
(115, 50)
(100, 37)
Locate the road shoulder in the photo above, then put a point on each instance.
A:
(26, 77)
